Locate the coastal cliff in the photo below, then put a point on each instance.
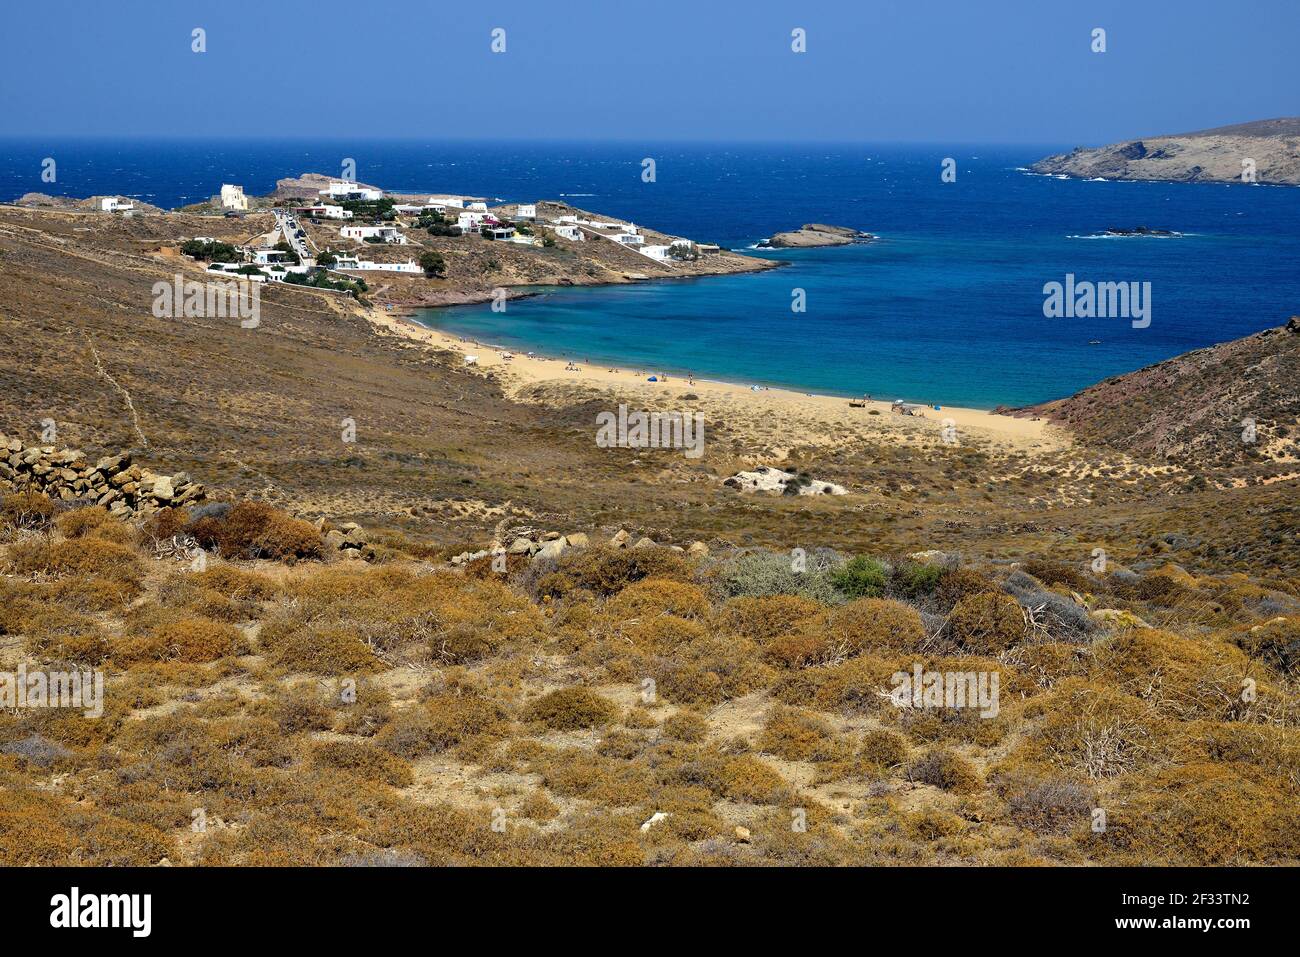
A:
(1215, 155)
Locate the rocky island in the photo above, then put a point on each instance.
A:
(1263, 151)
(816, 234)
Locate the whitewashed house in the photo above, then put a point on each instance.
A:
(383, 234)
(327, 211)
(478, 206)
(629, 238)
(346, 190)
(569, 231)
(526, 211)
(115, 204)
(367, 265)
(654, 252)
(232, 197)
(470, 222)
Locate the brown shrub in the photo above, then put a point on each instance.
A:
(686, 726)
(236, 583)
(79, 556)
(569, 709)
(26, 510)
(746, 779)
(800, 649)
(1199, 814)
(1276, 643)
(987, 623)
(1058, 573)
(663, 634)
(659, 596)
(256, 530)
(1091, 731)
(607, 571)
(874, 624)
(851, 687)
(799, 736)
(364, 760)
(195, 640)
(767, 617)
(945, 768)
(95, 522)
(711, 670)
(883, 748)
(1186, 677)
(318, 648)
(961, 582)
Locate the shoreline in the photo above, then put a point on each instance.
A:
(811, 416)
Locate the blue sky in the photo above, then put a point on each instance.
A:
(1001, 71)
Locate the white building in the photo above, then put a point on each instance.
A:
(629, 239)
(232, 197)
(470, 222)
(497, 232)
(115, 204)
(654, 252)
(478, 206)
(383, 234)
(526, 211)
(367, 265)
(327, 211)
(266, 255)
(569, 231)
(414, 209)
(346, 190)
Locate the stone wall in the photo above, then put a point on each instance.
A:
(112, 481)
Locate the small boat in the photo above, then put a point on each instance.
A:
(1094, 342)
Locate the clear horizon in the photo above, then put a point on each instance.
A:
(917, 72)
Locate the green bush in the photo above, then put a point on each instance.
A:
(862, 577)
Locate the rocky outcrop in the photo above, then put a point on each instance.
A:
(1219, 406)
(112, 481)
(1272, 148)
(816, 234)
(348, 540)
(767, 479)
(540, 545)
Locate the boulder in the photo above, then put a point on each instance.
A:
(697, 549)
(620, 539)
(644, 542)
(577, 540)
(163, 489)
(552, 549)
(520, 546)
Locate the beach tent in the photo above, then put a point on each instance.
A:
(653, 379)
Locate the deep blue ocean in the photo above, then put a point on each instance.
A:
(947, 307)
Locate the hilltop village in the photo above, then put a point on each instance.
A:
(427, 249)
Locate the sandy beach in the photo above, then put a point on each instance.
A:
(779, 418)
